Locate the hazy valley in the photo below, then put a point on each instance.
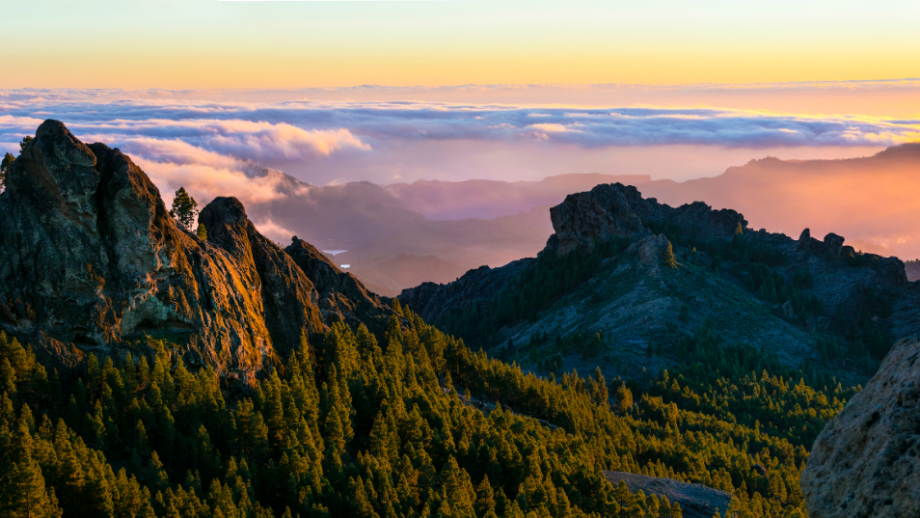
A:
(448, 228)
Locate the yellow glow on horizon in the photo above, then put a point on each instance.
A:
(294, 70)
(180, 45)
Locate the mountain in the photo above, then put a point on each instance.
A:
(623, 277)
(868, 198)
(145, 371)
(91, 260)
(335, 217)
(913, 270)
(464, 225)
(488, 199)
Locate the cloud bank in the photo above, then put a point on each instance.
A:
(302, 130)
(227, 143)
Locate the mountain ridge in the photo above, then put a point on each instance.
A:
(635, 300)
(92, 260)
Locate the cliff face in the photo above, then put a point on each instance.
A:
(90, 259)
(866, 462)
(617, 210)
(635, 299)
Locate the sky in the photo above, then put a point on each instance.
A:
(207, 44)
(206, 94)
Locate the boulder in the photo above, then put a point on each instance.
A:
(866, 461)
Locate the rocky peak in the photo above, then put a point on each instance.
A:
(617, 210)
(341, 295)
(227, 224)
(56, 170)
(91, 260)
(605, 212)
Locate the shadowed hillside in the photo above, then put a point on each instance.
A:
(625, 277)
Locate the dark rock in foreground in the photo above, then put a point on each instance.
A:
(696, 500)
(866, 462)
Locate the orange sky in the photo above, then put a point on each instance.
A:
(206, 44)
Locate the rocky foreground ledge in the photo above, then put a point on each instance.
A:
(866, 462)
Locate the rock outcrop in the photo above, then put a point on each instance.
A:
(866, 462)
(617, 210)
(633, 299)
(342, 297)
(90, 260)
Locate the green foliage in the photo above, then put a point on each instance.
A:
(739, 249)
(202, 232)
(668, 256)
(543, 282)
(348, 428)
(740, 384)
(862, 341)
(184, 209)
(771, 286)
(25, 143)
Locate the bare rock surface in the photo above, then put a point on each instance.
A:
(90, 260)
(696, 500)
(866, 461)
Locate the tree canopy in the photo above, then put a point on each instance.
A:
(184, 209)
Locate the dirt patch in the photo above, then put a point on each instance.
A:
(696, 500)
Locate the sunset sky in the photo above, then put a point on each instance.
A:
(206, 44)
(205, 94)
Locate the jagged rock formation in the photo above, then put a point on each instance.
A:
(341, 296)
(634, 300)
(866, 462)
(612, 210)
(90, 259)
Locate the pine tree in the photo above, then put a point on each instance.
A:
(668, 256)
(184, 209)
(202, 232)
(485, 497)
(624, 399)
(25, 495)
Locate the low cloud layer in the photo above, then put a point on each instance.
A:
(234, 144)
(338, 140)
(302, 130)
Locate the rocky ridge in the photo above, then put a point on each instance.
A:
(634, 300)
(91, 261)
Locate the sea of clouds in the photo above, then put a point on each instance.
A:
(222, 146)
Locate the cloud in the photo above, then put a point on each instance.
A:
(208, 182)
(308, 130)
(274, 231)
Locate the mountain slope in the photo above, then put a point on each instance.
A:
(91, 257)
(346, 425)
(605, 270)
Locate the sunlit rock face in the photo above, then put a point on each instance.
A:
(90, 259)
